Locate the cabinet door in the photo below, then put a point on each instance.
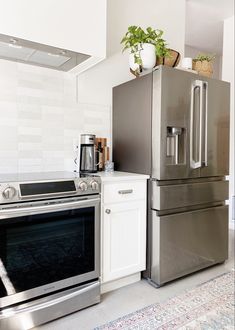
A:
(124, 239)
(58, 23)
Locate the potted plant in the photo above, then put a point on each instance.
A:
(144, 46)
(203, 64)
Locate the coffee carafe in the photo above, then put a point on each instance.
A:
(87, 154)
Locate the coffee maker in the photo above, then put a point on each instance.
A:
(88, 162)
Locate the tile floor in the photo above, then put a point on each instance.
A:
(135, 296)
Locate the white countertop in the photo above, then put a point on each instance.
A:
(117, 176)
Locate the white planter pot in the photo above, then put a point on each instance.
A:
(147, 55)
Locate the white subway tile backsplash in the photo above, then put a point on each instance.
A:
(29, 168)
(9, 145)
(31, 138)
(49, 128)
(56, 154)
(30, 162)
(52, 144)
(30, 154)
(8, 121)
(31, 123)
(7, 132)
(30, 83)
(10, 168)
(53, 118)
(52, 110)
(53, 167)
(24, 130)
(41, 119)
(22, 146)
(29, 114)
(69, 164)
(11, 161)
(26, 91)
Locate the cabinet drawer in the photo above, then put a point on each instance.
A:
(124, 191)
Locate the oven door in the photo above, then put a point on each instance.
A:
(48, 246)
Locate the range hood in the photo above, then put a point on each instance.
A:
(28, 52)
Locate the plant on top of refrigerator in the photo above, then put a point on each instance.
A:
(135, 37)
(204, 57)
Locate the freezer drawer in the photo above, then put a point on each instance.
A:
(186, 242)
(172, 196)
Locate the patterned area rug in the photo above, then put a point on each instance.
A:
(209, 306)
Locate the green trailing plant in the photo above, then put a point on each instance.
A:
(204, 57)
(135, 37)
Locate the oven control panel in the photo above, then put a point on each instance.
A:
(8, 193)
(36, 190)
(92, 186)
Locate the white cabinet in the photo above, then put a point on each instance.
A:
(123, 225)
(74, 25)
(124, 239)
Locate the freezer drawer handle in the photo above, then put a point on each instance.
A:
(124, 192)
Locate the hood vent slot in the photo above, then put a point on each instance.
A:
(43, 58)
(28, 52)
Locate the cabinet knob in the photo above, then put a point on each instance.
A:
(108, 211)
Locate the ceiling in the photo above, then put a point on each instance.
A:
(204, 23)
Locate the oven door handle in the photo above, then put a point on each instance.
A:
(53, 300)
(30, 210)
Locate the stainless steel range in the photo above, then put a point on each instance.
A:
(49, 247)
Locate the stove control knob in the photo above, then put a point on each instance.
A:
(9, 193)
(83, 186)
(94, 185)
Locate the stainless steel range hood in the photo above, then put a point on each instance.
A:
(28, 52)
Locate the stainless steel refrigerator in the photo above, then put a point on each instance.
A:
(174, 125)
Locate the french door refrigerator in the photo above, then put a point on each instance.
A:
(174, 125)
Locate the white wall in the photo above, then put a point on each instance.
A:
(40, 119)
(228, 75)
(71, 24)
(167, 15)
(217, 62)
(95, 85)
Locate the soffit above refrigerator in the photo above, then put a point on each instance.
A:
(29, 52)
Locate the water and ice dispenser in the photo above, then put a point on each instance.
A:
(175, 145)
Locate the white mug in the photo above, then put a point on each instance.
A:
(187, 63)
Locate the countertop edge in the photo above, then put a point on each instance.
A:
(123, 176)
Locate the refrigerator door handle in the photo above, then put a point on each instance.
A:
(193, 163)
(203, 109)
(205, 89)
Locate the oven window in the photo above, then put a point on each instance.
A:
(41, 249)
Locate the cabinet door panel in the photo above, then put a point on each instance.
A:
(124, 239)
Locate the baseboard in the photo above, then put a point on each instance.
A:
(116, 284)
